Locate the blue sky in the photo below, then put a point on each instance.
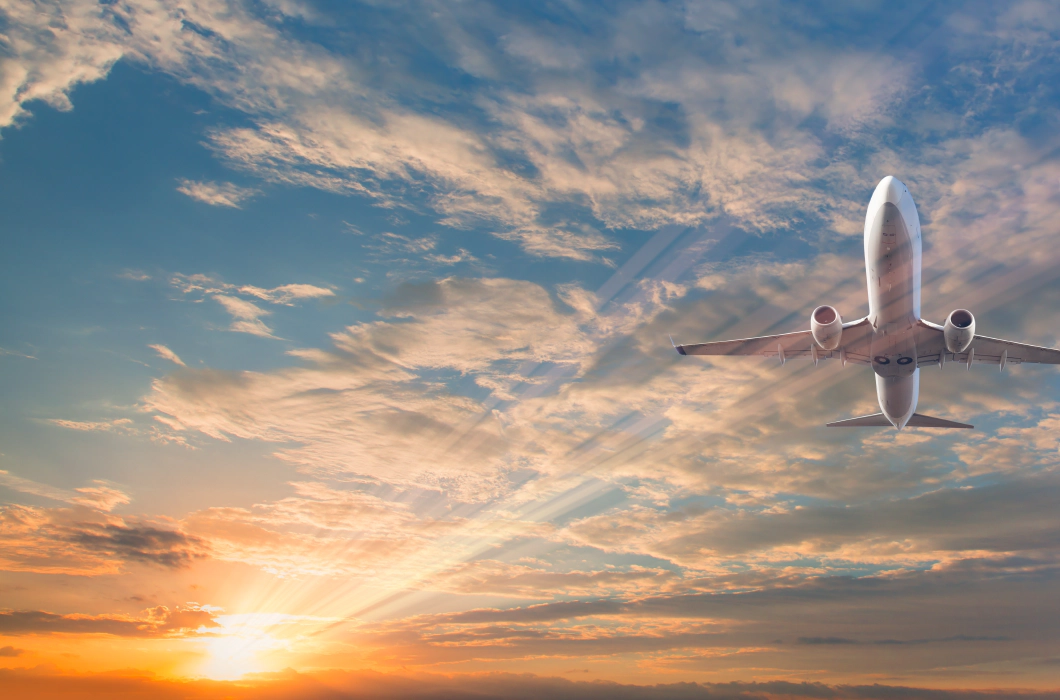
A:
(340, 331)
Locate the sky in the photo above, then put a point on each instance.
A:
(334, 351)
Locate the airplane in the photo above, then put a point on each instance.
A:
(893, 338)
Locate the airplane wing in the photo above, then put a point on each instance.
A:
(984, 350)
(854, 345)
(878, 420)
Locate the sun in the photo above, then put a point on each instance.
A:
(231, 657)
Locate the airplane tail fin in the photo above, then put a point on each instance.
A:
(878, 420)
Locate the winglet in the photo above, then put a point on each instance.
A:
(679, 348)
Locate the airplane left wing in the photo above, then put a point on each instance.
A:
(854, 345)
(983, 350)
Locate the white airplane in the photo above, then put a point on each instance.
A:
(892, 338)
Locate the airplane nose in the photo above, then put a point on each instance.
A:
(891, 189)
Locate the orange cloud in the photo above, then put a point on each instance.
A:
(159, 621)
(88, 543)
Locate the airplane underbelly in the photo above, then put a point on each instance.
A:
(898, 396)
(892, 257)
(893, 350)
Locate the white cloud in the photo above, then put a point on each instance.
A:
(101, 496)
(167, 354)
(460, 256)
(283, 294)
(119, 424)
(246, 316)
(286, 293)
(217, 194)
(50, 47)
(12, 353)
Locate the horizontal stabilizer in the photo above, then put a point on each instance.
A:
(876, 420)
(919, 421)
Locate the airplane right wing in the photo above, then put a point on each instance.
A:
(990, 350)
(854, 345)
(983, 350)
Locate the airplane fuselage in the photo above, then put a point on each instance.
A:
(893, 253)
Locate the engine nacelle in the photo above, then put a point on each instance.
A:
(959, 330)
(826, 327)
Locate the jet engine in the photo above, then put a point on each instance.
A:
(827, 327)
(959, 330)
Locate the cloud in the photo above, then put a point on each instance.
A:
(381, 404)
(83, 543)
(370, 405)
(714, 111)
(167, 354)
(11, 652)
(825, 640)
(102, 496)
(318, 531)
(159, 621)
(940, 525)
(246, 316)
(691, 129)
(135, 542)
(217, 194)
(460, 256)
(780, 626)
(116, 425)
(498, 578)
(50, 48)
(632, 154)
(284, 294)
(12, 353)
(134, 275)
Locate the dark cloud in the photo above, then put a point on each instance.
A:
(1011, 516)
(826, 640)
(156, 622)
(145, 543)
(915, 621)
(10, 652)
